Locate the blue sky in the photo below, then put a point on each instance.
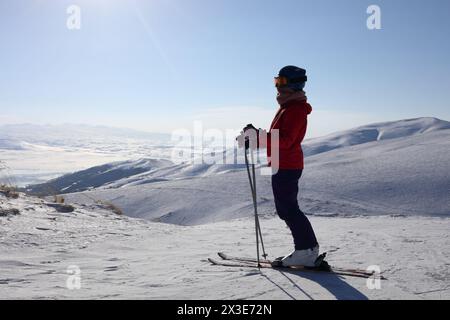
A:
(158, 65)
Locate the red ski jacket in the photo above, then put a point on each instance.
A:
(291, 121)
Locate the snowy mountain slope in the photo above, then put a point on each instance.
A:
(402, 176)
(98, 176)
(186, 201)
(374, 132)
(124, 175)
(408, 176)
(123, 258)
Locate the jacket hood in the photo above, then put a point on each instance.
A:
(308, 108)
(298, 104)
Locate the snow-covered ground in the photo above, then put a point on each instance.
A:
(123, 258)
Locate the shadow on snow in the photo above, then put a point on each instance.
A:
(335, 284)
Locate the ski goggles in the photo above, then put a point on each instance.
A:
(280, 81)
(283, 81)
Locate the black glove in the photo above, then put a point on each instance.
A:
(250, 127)
(247, 141)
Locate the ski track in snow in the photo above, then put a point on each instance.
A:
(124, 258)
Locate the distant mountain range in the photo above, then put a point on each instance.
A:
(14, 136)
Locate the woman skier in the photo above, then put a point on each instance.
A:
(291, 122)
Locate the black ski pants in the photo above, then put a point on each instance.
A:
(285, 191)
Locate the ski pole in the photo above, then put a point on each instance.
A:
(253, 190)
(251, 187)
(256, 207)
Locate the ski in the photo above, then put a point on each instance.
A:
(266, 265)
(227, 257)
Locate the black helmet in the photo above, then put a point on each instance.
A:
(293, 77)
